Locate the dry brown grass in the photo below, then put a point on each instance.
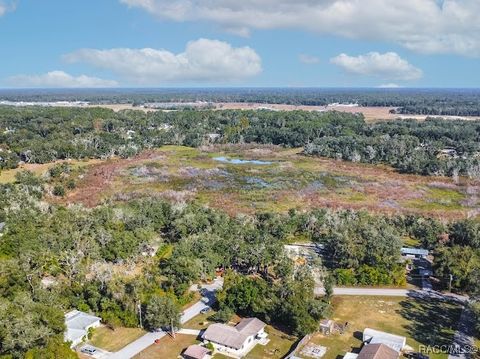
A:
(168, 347)
(182, 174)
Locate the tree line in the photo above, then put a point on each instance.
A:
(456, 102)
(432, 147)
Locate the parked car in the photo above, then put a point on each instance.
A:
(205, 310)
(88, 350)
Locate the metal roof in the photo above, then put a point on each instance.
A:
(415, 251)
(393, 341)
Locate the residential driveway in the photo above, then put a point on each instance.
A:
(463, 339)
(99, 354)
(137, 346)
(148, 339)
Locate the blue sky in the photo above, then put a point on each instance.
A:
(323, 43)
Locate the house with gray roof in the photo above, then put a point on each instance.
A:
(78, 323)
(236, 341)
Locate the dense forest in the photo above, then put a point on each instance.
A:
(108, 259)
(432, 147)
(455, 102)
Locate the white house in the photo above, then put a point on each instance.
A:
(396, 342)
(414, 252)
(236, 341)
(78, 323)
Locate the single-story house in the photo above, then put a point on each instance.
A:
(395, 342)
(237, 340)
(196, 352)
(377, 351)
(414, 252)
(78, 323)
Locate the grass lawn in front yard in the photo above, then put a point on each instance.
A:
(422, 321)
(168, 347)
(114, 340)
(200, 321)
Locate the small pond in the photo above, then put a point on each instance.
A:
(237, 161)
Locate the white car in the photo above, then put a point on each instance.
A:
(88, 350)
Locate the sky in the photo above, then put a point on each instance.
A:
(258, 43)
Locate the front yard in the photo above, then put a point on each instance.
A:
(114, 340)
(168, 347)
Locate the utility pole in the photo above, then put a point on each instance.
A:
(139, 306)
(173, 329)
(450, 282)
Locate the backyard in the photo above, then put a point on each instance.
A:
(422, 321)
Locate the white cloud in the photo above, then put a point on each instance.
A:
(427, 26)
(6, 6)
(388, 66)
(59, 79)
(390, 85)
(203, 61)
(308, 59)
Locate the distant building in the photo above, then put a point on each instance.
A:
(395, 342)
(414, 252)
(238, 340)
(78, 323)
(196, 352)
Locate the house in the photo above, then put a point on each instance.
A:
(196, 352)
(236, 341)
(78, 323)
(414, 252)
(395, 342)
(377, 351)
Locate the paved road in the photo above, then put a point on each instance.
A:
(463, 337)
(385, 292)
(145, 341)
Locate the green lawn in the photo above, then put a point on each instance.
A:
(114, 340)
(279, 345)
(199, 322)
(428, 322)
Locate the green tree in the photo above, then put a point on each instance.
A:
(161, 312)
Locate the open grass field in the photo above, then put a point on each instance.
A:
(421, 321)
(279, 179)
(114, 340)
